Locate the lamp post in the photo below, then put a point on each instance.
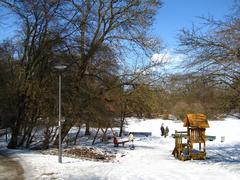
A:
(60, 68)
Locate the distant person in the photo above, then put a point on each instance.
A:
(162, 130)
(131, 139)
(166, 132)
(115, 141)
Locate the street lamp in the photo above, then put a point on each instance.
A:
(59, 68)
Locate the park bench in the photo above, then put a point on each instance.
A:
(116, 142)
(146, 134)
(137, 134)
(210, 138)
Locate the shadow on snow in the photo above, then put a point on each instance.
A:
(228, 154)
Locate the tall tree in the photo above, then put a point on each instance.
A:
(94, 37)
(35, 46)
(121, 26)
(7, 91)
(215, 52)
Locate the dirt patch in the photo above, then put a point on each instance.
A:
(93, 154)
(10, 169)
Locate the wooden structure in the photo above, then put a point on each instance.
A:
(191, 144)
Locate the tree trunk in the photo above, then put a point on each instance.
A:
(13, 143)
(67, 125)
(121, 126)
(94, 139)
(14, 138)
(30, 139)
(47, 136)
(87, 131)
(54, 131)
(23, 137)
(123, 114)
(75, 140)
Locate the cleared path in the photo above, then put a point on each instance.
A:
(10, 169)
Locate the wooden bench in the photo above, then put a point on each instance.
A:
(144, 134)
(116, 142)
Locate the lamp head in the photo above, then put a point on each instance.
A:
(60, 67)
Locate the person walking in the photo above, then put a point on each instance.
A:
(131, 139)
(166, 132)
(162, 130)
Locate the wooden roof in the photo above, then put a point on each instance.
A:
(196, 120)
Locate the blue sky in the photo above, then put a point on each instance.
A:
(7, 25)
(173, 16)
(176, 14)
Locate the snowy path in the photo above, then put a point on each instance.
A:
(151, 160)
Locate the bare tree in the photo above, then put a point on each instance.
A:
(34, 47)
(120, 26)
(214, 52)
(95, 37)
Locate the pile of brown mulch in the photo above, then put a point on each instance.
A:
(85, 153)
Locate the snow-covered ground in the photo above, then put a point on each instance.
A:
(151, 158)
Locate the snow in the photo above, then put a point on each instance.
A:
(151, 158)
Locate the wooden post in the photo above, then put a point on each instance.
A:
(95, 136)
(104, 137)
(188, 140)
(204, 142)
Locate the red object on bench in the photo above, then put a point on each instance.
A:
(116, 142)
